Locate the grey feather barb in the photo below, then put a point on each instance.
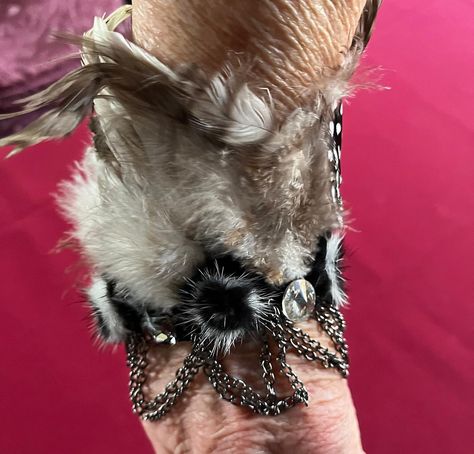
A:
(69, 100)
(133, 82)
(197, 163)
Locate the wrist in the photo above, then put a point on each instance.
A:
(201, 422)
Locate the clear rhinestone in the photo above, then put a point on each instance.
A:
(164, 338)
(299, 300)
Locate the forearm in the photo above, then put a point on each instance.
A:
(289, 46)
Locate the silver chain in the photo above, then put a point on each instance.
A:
(137, 349)
(285, 337)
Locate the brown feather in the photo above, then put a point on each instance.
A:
(205, 159)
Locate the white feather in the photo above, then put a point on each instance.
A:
(123, 236)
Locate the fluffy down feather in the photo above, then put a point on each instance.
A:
(185, 167)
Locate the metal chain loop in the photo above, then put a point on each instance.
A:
(137, 349)
(267, 367)
(286, 337)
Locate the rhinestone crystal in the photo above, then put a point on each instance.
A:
(299, 300)
(164, 338)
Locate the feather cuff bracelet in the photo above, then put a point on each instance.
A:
(202, 218)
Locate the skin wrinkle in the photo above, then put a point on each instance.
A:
(336, 27)
(271, 68)
(300, 40)
(294, 58)
(226, 428)
(346, 16)
(266, 433)
(286, 64)
(274, 64)
(296, 38)
(333, 23)
(313, 22)
(206, 31)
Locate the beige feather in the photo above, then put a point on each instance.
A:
(184, 166)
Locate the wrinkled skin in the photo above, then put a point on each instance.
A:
(289, 44)
(202, 423)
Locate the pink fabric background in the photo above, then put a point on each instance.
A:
(407, 166)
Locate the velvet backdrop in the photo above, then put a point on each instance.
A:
(407, 166)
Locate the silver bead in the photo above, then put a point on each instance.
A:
(299, 300)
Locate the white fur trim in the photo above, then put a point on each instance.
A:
(98, 297)
(125, 237)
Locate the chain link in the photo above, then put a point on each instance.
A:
(267, 367)
(137, 349)
(233, 389)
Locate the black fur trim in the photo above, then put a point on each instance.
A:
(128, 312)
(318, 276)
(221, 298)
(217, 297)
(224, 307)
